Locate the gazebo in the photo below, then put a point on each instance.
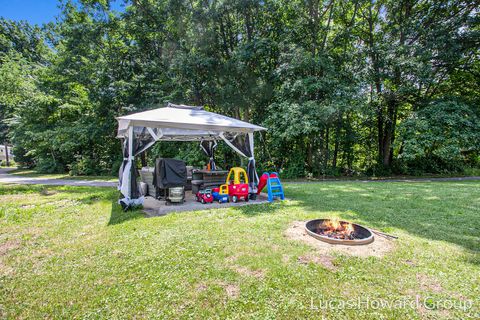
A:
(139, 131)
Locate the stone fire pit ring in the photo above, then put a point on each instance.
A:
(362, 235)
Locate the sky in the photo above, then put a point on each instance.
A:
(36, 11)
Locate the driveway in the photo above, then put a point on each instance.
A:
(8, 178)
(5, 177)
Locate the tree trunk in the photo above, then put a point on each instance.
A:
(337, 140)
(236, 112)
(7, 159)
(322, 155)
(143, 158)
(378, 85)
(349, 139)
(394, 126)
(330, 16)
(310, 154)
(246, 114)
(248, 25)
(389, 131)
(223, 35)
(327, 150)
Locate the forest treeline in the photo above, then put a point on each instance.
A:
(344, 87)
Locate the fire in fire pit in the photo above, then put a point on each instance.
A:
(338, 232)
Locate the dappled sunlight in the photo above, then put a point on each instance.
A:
(365, 194)
(241, 251)
(413, 208)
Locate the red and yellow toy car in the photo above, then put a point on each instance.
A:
(237, 182)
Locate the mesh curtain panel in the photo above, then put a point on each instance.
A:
(209, 146)
(142, 140)
(242, 143)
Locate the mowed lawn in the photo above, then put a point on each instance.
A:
(70, 252)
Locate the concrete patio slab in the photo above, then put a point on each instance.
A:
(153, 207)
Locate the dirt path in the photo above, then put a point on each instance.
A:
(5, 177)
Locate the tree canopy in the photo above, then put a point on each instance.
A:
(344, 86)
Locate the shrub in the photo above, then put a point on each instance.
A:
(83, 166)
(440, 138)
(48, 165)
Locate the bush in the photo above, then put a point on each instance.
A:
(47, 165)
(22, 158)
(443, 137)
(83, 166)
(3, 163)
(294, 168)
(116, 167)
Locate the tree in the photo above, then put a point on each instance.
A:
(339, 83)
(441, 136)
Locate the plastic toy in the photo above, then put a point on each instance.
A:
(273, 184)
(237, 182)
(221, 198)
(221, 194)
(237, 175)
(263, 180)
(204, 196)
(262, 183)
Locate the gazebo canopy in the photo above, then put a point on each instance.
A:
(184, 123)
(139, 131)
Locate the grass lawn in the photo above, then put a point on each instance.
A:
(34, 174)
(70, 252)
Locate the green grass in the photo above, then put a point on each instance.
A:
(70, 252)
(34, 174)
(469, 172)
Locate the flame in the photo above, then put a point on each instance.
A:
(336, 229)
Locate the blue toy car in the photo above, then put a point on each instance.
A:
(221, 198)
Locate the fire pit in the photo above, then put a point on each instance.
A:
(338, 232)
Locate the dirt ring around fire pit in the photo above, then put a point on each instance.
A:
(378, 248)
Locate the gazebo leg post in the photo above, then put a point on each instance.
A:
(130, 158)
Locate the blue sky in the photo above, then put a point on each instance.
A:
(36, 11)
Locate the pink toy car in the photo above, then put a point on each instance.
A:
(204, 196)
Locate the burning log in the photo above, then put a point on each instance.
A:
(336, 230)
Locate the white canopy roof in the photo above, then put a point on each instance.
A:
(185, 123)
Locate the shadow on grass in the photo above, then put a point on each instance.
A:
(474, 259)
(88, 196)
(118, 215)
(436, 211)
(257, 209)
(21, 189)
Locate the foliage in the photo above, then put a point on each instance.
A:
(441, 136)
(338, 83)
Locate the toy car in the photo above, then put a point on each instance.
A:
(204, 196)
(221, 194)
(238, 191)
(237, 175)
(237, 182)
